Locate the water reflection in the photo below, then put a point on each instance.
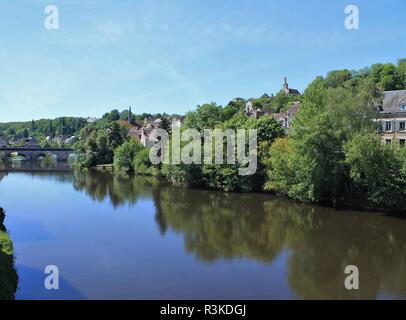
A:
(319, 242)
(45, 165)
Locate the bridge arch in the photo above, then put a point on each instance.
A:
(20, 154)
(38, 155)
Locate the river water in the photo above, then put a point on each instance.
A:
(118, 237)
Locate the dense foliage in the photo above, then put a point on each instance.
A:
(8, 274)
(325, 158)
(96, 146)
(40, 129)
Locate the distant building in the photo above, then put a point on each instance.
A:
(146, 140)
(70, 140)
(142, 135)
(282, 119)
(249, 108)
(32, 143)
(291, 113)
(392, 116)
(288, 90)
(177, 121)
(3, 142)
(91, 119)
(286, 118)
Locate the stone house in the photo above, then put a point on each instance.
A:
(392, 117)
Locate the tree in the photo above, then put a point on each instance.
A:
(402, 71)
(117, 135)
(279, 167)
(142, 165)
(331, 113)
(33, 126)
(124, 156)
(207, 116)
(166, 125)
(378, 169)
(386, 77)
(111, 116)
(337, 78)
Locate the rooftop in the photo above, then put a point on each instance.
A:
(394, 101)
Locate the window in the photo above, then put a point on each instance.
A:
(402, 107)
(402, 125)
(388, 125)
(402, 142)
(388, 141)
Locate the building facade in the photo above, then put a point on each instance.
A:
(392, 117)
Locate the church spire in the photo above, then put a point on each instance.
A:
(285, 85)
(130, 116)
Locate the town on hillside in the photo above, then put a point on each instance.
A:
(392, 118)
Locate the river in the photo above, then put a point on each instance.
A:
(118, 237)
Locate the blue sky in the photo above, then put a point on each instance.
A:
(169, 56)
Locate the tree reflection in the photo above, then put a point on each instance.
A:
(321, 241)
(119, 188)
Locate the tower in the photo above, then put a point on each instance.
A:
(130, 116)
(285, 85)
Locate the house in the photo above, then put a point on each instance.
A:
(32, 143)
(142, 135)
(291, 113)
(177, 121)
(282, 118)
(286, 118)
(14, 141)
(3, 142)
(146, 140)
(70, 140)
(392, 117)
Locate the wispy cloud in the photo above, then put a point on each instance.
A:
(182, 81)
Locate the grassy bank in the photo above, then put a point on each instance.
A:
(8, 274)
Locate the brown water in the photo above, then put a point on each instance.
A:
(114, 237)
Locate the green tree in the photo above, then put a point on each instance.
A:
(378, 169)
(207, 116)
(142, 164)
(166, 125)
(124, 156)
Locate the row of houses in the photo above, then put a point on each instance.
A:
(28, 143)
(33, 143)
(140, 130)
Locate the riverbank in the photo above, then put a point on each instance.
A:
(8, 274)
(355, 201)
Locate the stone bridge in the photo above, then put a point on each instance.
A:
(34, 153)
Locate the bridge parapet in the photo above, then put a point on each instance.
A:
(61, 154)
